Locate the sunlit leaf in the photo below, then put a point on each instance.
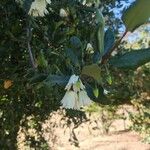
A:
(96, 92)
(137, 14)
(100, 31)
(93, 71)
(109, 80)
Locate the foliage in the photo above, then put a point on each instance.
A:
(38, 54)
(141, 119)
(132, 59)
(134, 17)
(107, 114)
(93, 71)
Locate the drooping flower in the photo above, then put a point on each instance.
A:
(84, 99)
(76, 95)
(78, 86)
(63, 13)
(70, 100)
(38, 8)
(73, 79)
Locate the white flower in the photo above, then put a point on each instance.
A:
(106, 92)
(63, 13)
(76, 96)
(48, 1)
(70, 100)
(38, 8)
(83, 98)
(78, 86)
(73, 79)
(89, 48)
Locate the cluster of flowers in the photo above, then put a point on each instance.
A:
(76, 95)
(38, 7)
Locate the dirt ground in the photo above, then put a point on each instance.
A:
(90, 138)
(120, 141)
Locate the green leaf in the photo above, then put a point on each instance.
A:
(38, 78)
(97, 57)
(71, 55)
(42, 62)
(99, 37)
(75, 42)
(96, 92)
(101, 98)
(109, 80)
(27, 5)
(100, 31)
(132, 59)
(137, 14)
(3, 52)
(52, 80)
(109, 40)
(93, 71)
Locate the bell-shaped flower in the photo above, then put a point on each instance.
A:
(89, 48)
(38, 8)
(84, 99)
(78, 86)
(76, 96)
(70, 100)
(73, 79)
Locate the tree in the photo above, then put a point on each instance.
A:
(44, 42)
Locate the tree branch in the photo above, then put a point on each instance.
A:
(108, 55)
(29, 47)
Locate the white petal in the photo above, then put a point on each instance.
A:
(84, 99)
(63, 13)
(70, 100)
(106, 92)
(38, 8)
(48, 1)
(73, 79)
(89, 48)
(77, 104)
(81, 85)
(68, 87)
(76, 88)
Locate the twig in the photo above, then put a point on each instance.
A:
(29, 47)
(108, 55)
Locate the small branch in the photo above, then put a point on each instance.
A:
(108, 55)
(29, 47)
